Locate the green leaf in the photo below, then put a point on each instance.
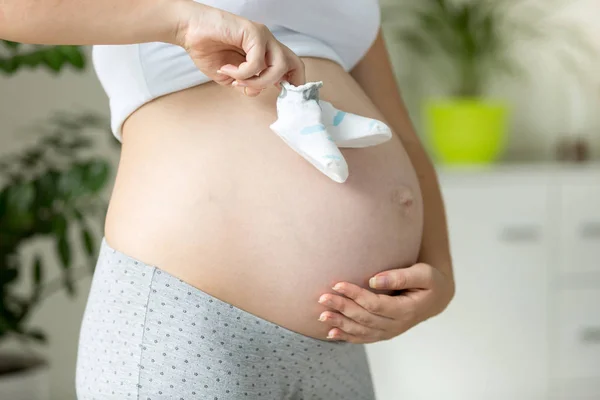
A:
(88, 241)
(21, 196)
(38, 272)
(9, 65)
(11, 45)
(69, 283)
(487, 31)
(53, 59)
(441, 5)
(18, 218)
(439, 27)
(37, 335)
(53, 141)
(80, 142)
(3, 202)
(31, 157)
(15, 177)
(71, 182)
(74, 56)
(14, 63)
(8, 275)
(464, 27)
(9, 320)
(78, 215)
(415, 43)
(59, 225)
(33, 58)
(46, 188)
(64, 251)
(96, 175)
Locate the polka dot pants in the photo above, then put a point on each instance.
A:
(147, 335)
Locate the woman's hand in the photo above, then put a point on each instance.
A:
(233, 50)
(362, 316)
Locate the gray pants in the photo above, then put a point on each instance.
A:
(148, 335)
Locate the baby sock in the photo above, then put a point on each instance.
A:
(351, 130)
(300, 125)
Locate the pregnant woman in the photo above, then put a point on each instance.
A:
(230, 268)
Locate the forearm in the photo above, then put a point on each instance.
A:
(86, 22)
(375, 75)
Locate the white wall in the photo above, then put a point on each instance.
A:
(32, 96)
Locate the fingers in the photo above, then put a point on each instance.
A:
(378, 304)
(223, 79)
(245, 90)
(282, 64)
(376, 310)
(338, 334)
(277, 67)
(296, 74)
(355, 324)
(226, 80)
(418, 276)
(350, 330)
(251, 92)
(277, 64)
(353, 311)
(255, 47)
(254, 64)
(296, 77)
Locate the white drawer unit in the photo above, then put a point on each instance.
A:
(575, 389)
(580, 224)
(576, 351)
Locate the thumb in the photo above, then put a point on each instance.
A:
(417, 276)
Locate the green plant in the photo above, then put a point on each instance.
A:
(53, 58)
(46, 197)
(47, 190)
(477, 36)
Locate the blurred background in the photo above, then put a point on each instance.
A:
(506, 96)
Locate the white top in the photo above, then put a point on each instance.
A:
(338, 30)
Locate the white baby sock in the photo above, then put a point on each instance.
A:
(351, 130)
(300, 125)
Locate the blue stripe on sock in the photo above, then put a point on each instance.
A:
(332, 156)
(312, 129)
(330, 138)
(338, 118)
(373, 123)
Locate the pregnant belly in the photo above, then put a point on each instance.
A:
(207, 192)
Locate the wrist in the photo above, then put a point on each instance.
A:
(188, 15)
(175, 14)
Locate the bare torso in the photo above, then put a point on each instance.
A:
(207, 192)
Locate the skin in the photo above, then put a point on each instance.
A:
(244, 55)
(425, 289)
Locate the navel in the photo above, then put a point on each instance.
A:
(403, 197)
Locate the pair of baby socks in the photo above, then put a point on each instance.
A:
(316, 130)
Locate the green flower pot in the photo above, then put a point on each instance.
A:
(466, 131)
